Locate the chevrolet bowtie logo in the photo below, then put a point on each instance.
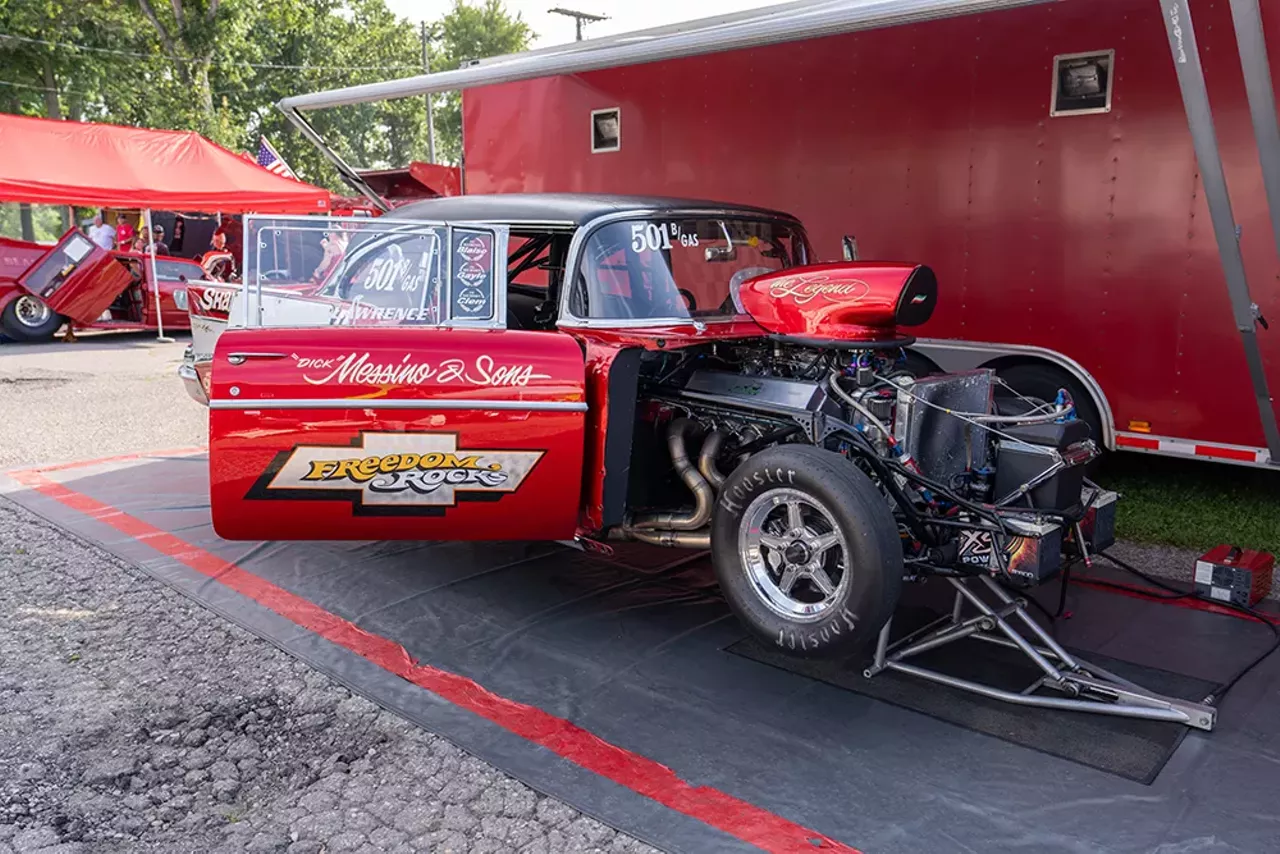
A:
(390, 471)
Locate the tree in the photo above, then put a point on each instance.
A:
(335, 44)
(219, 66)
(191, 33)
(466, 33)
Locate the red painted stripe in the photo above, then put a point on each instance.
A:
(740, 819)
(1138, 442)
(172, 452)
(1151, 594)
(1227, 453)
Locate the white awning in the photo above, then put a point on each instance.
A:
(771, 25)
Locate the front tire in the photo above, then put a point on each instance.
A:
(806, 551)
(27, 318)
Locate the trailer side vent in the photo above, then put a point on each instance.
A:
(1082, 83)
(606, 130)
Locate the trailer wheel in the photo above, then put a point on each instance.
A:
(27, 318)
(806, 551)
(1043, 382)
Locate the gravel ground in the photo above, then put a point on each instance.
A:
(132, 719)
(105, 394)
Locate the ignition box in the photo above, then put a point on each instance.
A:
(1232, 574)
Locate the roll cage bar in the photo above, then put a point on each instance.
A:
(805, 19)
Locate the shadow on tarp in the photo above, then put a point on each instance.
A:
(634, 651)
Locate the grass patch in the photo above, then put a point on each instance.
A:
(1194, 505)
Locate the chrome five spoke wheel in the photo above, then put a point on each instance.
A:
(794, 554)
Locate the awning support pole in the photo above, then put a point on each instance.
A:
(155, 280)
(1195, 98)
(350, 175)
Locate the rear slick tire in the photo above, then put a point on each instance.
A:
(806, 551)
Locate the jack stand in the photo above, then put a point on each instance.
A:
(1088, 688)
(69, 337)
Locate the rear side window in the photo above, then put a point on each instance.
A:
(360, 271)
(174, 269)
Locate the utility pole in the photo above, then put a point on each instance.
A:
(431, 123)
(578, 17)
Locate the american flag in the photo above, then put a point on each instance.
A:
(269, 160)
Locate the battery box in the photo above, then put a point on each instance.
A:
(1029, 555)
(1098, 524)
(1236, 575)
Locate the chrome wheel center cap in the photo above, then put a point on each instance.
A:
(797, 553)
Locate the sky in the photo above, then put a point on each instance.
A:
(624, 15)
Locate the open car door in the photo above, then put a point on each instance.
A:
(77, 278)
(392, 403)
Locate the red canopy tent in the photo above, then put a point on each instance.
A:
(44, 161)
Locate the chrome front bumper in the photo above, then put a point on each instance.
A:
(191, 379)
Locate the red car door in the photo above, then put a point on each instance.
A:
(412, 414)
(77, 278)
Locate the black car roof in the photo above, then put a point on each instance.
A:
(576, 208)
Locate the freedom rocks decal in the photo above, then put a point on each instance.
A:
(393, 474)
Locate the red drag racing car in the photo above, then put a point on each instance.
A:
(665, 371)
(78, 282)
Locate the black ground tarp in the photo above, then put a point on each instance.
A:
(634, 651)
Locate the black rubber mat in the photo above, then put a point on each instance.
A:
(606, 684)
(1127, 747)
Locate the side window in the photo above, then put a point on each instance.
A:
(527, 261)
(360, 271)
(383, 277)
(58, 266)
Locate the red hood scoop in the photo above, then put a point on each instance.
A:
(855, 302)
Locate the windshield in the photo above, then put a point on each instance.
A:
(679, 268)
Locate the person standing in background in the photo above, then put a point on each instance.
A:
(124, 231)
(101, 233)
(178, 228)
(233, 230)
(218, 263)
(157, 233)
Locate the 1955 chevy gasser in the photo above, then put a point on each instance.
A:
(671, 372)
(679, 373)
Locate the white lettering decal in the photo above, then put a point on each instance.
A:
(362, 369)
(357, 310)
(216, 299)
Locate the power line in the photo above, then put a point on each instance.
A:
(43, 88)
(269, 65)
(64, 91)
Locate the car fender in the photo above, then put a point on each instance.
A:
(9, 291)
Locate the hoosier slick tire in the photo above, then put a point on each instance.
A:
(806, 551)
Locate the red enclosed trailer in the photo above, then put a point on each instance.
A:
(1036, 154)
